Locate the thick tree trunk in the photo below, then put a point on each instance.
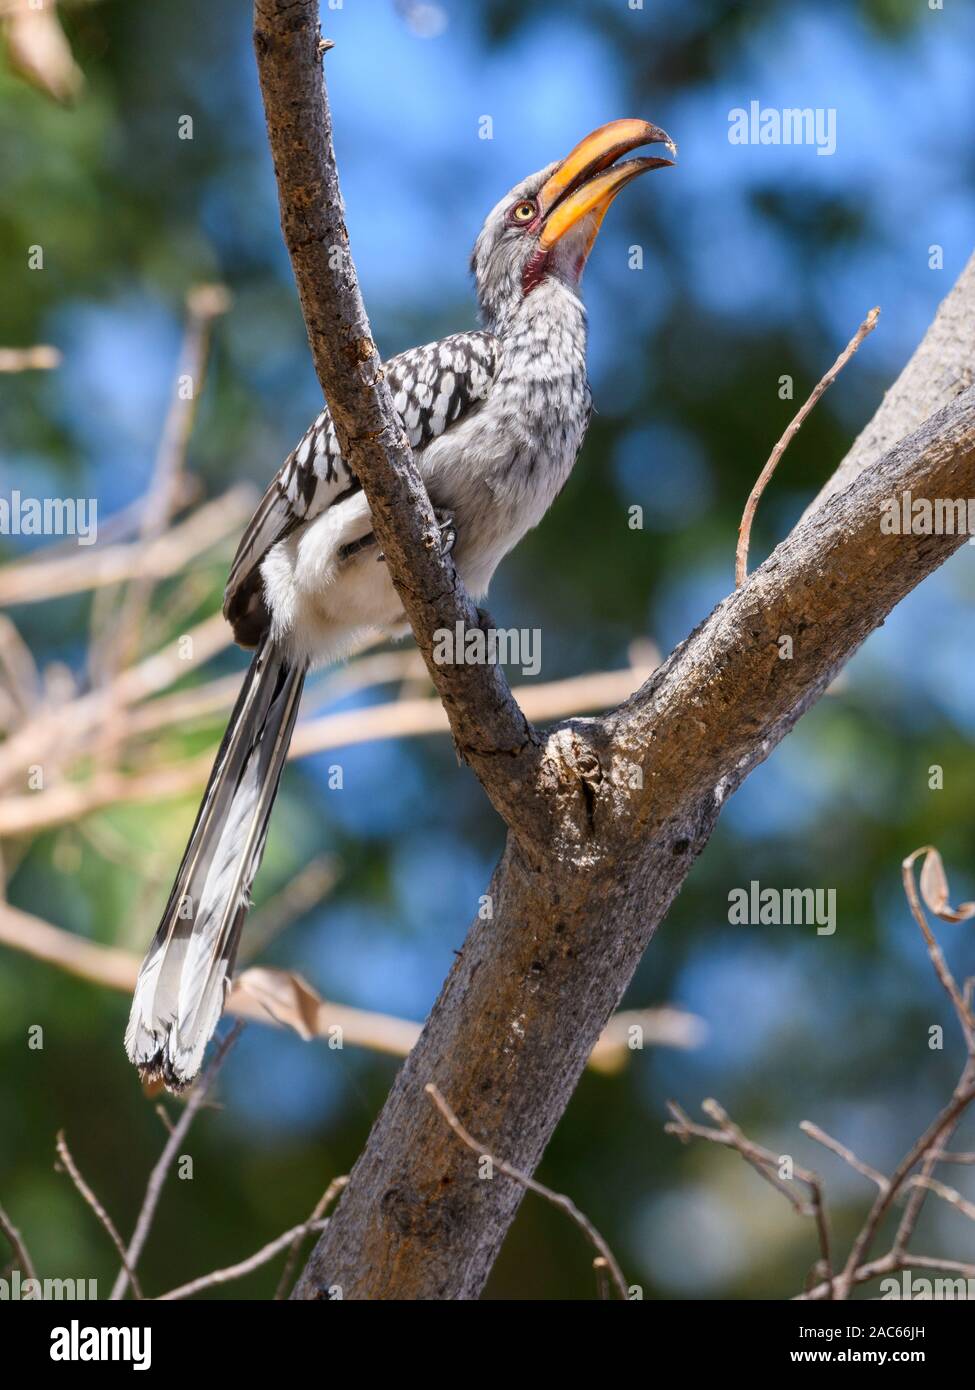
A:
(605, 815)
(510, 1033)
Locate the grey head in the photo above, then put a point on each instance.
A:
(547, 224)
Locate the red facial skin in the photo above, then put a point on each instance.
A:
(534, 272)
(538, 267)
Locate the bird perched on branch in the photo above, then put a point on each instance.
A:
(496, 419)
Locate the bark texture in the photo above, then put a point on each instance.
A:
(606, 815)
(489, 729)
(532, 989)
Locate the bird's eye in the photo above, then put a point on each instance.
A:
(523, 212)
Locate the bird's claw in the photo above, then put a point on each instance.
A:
(448, 533)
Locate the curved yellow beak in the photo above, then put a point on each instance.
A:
(588, 179)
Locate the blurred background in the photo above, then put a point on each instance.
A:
(758, 262)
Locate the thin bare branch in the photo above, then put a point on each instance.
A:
(745, 528)
(63, 729)
(74, 1173)
(166, 1122)
(204, 304)
(933, 1262)
(16, 1242)
(38, 579)
(947, 1194)
(843, 1152)
(157, 1178)
(70, 801)
(330, 1195)
(917, 1194)
(557, 1199)
(766, 1163)
(261, 1257)
(117, 969)
(948, 982)
(891, 1263)
(21, 677)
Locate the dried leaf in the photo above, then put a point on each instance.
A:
(934, 891)
(288, 998)
(38, 50)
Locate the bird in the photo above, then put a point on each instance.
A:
(496, 418)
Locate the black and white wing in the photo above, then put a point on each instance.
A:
(432, 387)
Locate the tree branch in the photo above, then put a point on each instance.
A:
(89, 1196)
(17, 1245)
(238, 1271)
(605, 1259)
(489, 729)
(116, 969)
(66, 801)
(793, 428)
(521, 1009)
(39, 578)
(607, 814)
(157, 1178)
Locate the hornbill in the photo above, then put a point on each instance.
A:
(496, 419)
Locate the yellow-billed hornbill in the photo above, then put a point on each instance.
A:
(496, 419)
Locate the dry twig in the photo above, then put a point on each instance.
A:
(847, 1155)
(69, 801)
(117, 969)
(204, 304)
(40, 578)
(928, 1150)
(951, 1195)
(745, 528)
(16, 1242)
(157, 1178)
(64, 1153)
(557, 1199)
(766, 1163)
(331, 1193)
(261, 1257)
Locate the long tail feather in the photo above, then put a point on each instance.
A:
(184, 979)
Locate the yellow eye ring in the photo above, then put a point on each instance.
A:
(524, 211)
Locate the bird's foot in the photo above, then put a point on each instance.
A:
(446, 539)
(448, 532)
